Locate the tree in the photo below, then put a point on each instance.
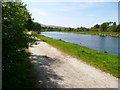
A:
(15, 17)
(97, 26)
(29, 24)
(37, 27)
(118, 28)
(113, 27)
(104, 26)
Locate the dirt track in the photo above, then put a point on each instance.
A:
(57, 69)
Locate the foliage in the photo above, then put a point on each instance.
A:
(16, 22)
(37, 27)
(97, 26)
(118, 28)
(104, 27)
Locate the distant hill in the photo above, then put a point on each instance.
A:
(53, 26)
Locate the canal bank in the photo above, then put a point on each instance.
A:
(58, 69)
(105, 61)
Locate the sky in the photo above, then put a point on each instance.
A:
(73, 13)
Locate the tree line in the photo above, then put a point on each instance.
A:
(104, 27)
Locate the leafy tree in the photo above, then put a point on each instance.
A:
(104, 26)
(15, 18)
(118, 28)
(112, 27)
(97, 26)
(29, 24)
(37, 27)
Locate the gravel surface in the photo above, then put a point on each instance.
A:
(56, 69)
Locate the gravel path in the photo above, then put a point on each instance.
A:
(57, 69)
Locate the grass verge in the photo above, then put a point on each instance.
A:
(105, 61)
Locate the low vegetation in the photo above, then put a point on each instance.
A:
(18, 74)
(102, 60)
(106, 28)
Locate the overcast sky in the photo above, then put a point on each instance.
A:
(73, 13)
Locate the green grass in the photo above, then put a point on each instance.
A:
(105, 61)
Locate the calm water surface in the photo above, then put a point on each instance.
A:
(102, 43)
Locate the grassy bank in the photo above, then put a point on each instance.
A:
(102, 60)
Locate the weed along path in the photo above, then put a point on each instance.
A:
(56, 69)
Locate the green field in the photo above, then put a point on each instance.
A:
(105, 61)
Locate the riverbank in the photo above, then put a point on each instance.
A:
(102, 60)
(112, 34)
(56, 69)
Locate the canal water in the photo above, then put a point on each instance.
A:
(102, 43)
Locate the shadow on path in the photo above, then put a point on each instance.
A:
(43, 72)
